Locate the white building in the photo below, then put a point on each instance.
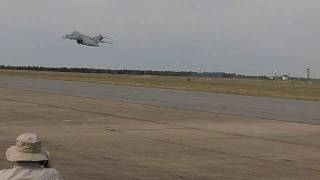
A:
(285, 77)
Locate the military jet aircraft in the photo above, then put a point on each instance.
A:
(87, 40)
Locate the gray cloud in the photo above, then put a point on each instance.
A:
(242, 36)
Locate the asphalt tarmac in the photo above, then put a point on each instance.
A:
(244, 106)
(100, 132)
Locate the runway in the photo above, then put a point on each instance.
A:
(245, 106)
(100, 132)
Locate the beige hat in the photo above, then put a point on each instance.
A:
(27, 148)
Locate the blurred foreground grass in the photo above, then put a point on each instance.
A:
(279, 89)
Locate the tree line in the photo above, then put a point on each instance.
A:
(133, 72)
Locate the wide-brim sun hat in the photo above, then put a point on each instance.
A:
(27, 148)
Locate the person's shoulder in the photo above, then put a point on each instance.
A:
(5, 171)
(52, 173)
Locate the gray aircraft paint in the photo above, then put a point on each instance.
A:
(87, 40)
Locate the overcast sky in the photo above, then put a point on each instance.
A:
(251, 37)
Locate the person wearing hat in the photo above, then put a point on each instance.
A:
(31, 162)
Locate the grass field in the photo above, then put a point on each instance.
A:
(279, 89)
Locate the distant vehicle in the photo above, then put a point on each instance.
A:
(87, 40)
